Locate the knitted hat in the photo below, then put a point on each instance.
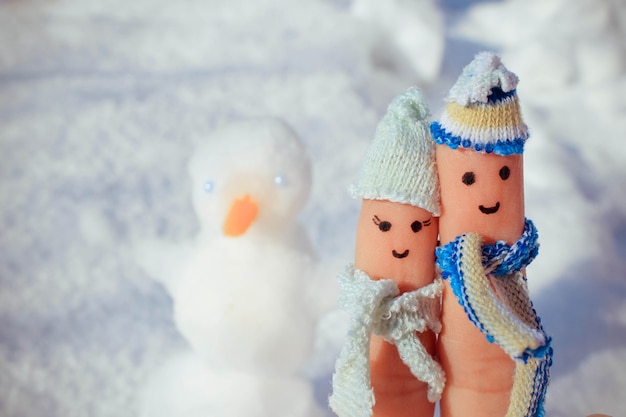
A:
(483, 112)
(400, 163)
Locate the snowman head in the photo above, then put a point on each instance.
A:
(252, 177)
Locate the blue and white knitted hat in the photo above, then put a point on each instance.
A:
(483, 112)
(400, 163)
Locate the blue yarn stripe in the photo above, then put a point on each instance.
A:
(540, 387)
(448, 259)
(503, 147)
(518, 256)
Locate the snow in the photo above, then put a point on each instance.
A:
(103, 104)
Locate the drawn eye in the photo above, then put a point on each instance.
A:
(280, 180)
(469, 178)
(209, 187)
(416, 226)
(505, 172)
(383, 225)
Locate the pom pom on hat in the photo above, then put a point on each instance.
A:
(483, 111)
(400, 163)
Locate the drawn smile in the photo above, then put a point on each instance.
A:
(489, 210)
(400, 255)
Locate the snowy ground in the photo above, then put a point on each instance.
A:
(103, 102)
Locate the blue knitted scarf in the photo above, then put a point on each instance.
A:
(498, 258)
(488, 282)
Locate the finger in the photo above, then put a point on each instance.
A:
(397, 391)
(395, 245)
(480, 140)
(479, 373)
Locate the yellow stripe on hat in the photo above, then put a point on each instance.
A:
(505, 113)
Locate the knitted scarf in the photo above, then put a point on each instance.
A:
(489, 283)
(375, 306)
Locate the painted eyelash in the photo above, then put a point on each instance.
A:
(383, 225)
(427, 222)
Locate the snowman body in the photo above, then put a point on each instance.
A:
(242, 295)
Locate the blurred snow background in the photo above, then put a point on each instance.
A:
(102, 104)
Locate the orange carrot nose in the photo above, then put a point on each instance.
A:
(242, 213)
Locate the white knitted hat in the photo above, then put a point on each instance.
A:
(400, 163)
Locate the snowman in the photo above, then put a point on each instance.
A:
(245, 294)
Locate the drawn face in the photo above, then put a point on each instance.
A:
(483, 191)
(394, 237)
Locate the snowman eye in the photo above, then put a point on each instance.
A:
(280, 180)
(209, 187)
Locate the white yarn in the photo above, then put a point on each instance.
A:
(375, 306)
(479, 77)
(400, 163)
